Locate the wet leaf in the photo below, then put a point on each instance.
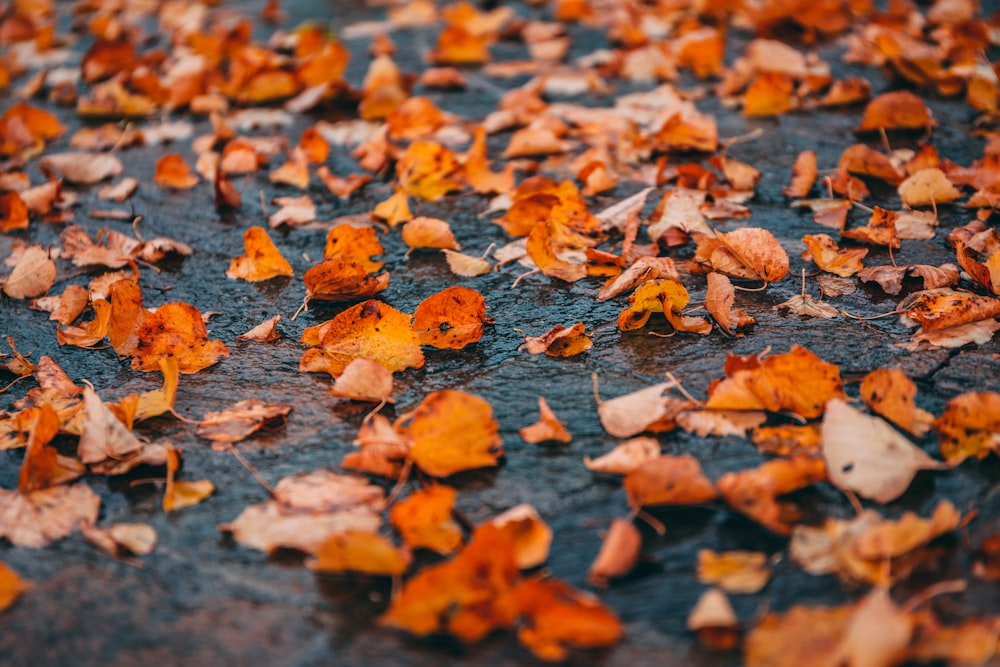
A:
(241, 420)
(424, 519)
(451, 431)
(262, 260)
(548, 428)
(452, 319)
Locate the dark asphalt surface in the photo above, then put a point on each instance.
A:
(201, 599)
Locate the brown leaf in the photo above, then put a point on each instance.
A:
(241, 420)
(84, 168)
(626, 457)
(559, 341)
(39, 518)
(668, 480)
(719, 301)
(32, 276)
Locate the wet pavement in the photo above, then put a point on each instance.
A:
(201, 599)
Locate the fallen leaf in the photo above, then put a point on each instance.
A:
(866, 455)
(644, 410)
(11, 586)
(618, 555)
(548, 428)
(896, 110)
(181, 494)
(754, 492)
(714, 620)
(265, 332)
(84, 168)
(969, 426)
(529, 536)
(176, 330)
(719, 301)
(452, 319)
(364, 380)
(626, 457)
(643, 270)
(372, 330)
(466, 265)
(890, 394)
(559, 341)
(928, 187)
(306, 510)
(32, 276)
(555, 617)
(39, 518)
(424, 232)
(262, 260)
(668, 480)
(734, 571)
(424, 519)
(241, 420)
(451, 431)
(806, 306)
(829, 257)
(467, 597)
(942, 308)
(121, 539)
(103, 436)
(173, 172)
(359, 551)
(797, 381)
(804, 173)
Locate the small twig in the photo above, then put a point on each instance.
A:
(250, 468)
(934, 590)
(523, 276)
(404, 477)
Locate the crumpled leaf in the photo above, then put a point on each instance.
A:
(559, 341)
(755, 491)
(103, 436)
(265, 332)
(467, 597)
(661, 296)
(806, 306)
(452, 319)
(719, 301)
(262, 259)
(39, 518)
(241, 420)
(642, 270)
(451, 431)
(121, 539)
(372, 330)
(942, 308)
(829, 257)
(555, 617)
(866, 455)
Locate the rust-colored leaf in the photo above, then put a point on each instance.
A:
(451, 319)
(262, 259)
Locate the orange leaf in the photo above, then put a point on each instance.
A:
(468, 596)
(970, 426)
(618, 555)
(556, 617)
(626, 457)
(734, 571)
(41, 517)
(941, 308)
(451, 431)
(804, 173)
(668, 480)
(173, 172)
(424, 232)
(797, 381)
(360, 551)
(176, 330)
(889, 393)
(451, 319)
(13, 212)
(93, 333)
(829, 257)
(529, 536)
(754, 492)
(897, 110)
(548, 428)
(340, 280)
(428, 170)
(770, 94)
(262, 260)
(466, 265)
(719, 300)
(11, 586)
(372, 330)
(127, 314)
(179, 495)
(424, 519)
(559, 341)
(394, 210)
(357, 245)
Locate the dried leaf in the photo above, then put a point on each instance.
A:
(970, 426)
(265, 332)
(755, 492)
(555, 617)
(559, 341)
(39, 518)
(360, 551)
(32, 276)
(548, 428)
(890, 394)
(262, 260)
(866, 455)
(626, 457)
(176, 330)
(452, 319)
(529, 536)
(424, 519)
(364, 380)
(241, 420)
(451, 431)
(668, 480)
(734, 571)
